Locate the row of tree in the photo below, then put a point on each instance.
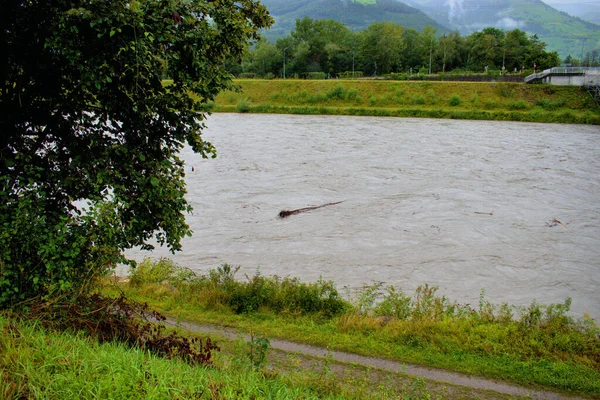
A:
(329, 47)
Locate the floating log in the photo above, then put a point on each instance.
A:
(484, 213)
(287, 213)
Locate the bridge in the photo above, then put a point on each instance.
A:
(578, 76)
(587, 77)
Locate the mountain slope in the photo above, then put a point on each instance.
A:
(587, 10)
(562, 32)
(357, 14)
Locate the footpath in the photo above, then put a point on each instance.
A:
(461, 385)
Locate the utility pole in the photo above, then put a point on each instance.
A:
(581, 59)
(284, 61)
(430, 53)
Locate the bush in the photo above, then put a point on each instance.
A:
(337, 92)
(243, 106)
(455, 100)
(550, 105)
(420, 100)
(351, 94)
(518, 105)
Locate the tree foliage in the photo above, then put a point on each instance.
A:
(90, 136)
(329, 47)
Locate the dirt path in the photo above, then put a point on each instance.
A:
(431, 374)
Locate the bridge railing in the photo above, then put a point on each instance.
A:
(565, 70)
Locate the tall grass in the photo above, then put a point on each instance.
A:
(220, 289)
(536, 345)
(40, 364)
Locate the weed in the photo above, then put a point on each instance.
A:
(259, 346)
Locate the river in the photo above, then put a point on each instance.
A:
(511, 208)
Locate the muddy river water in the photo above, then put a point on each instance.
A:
(511, 208)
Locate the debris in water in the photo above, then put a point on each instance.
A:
(484, 213)
(287, 213)
(554, 223)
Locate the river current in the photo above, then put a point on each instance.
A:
(510, 208)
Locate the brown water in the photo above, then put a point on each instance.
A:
(413, 193)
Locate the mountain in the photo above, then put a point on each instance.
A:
(588, 10)
(355, 14)
(562, 32)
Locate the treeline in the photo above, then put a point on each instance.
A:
(326, 48)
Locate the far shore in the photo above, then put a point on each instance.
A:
(499, 101)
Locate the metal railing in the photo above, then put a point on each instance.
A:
(592, 71)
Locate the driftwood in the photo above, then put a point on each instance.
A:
(484, 213)
(287, 213)
(554, 223)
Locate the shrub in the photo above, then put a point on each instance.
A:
(455, 100)
(505, 91)
(351, 94)
(418, 100)
(550, 105)
(337, 92)
(243, 106)
(518, 105)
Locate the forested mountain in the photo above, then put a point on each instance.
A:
(588, 10)
(355, 14)
(562, 32)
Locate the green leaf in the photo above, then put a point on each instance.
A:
(154, 181)
(112, 32)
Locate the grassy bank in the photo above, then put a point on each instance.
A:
(456, 100)
(538, 346)
(42, 364)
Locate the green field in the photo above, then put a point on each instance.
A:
(427, 99)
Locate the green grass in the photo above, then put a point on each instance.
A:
(35, 363)
(537, 346)
(490, 101)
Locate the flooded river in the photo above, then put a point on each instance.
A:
(512, 208)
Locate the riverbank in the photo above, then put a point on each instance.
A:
(536, 346)
(423, 99)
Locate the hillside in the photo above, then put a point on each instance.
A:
(356, 14)
(585, 9)
(562, 32)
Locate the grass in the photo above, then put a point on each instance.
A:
(35, 363)
(539, 346)
(490, 101)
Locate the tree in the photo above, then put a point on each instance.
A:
(90, 137)
(448, 48)
(382, 44)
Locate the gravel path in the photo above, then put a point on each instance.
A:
(433, 374)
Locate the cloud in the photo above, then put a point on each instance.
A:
(455, 9)
(509, 23)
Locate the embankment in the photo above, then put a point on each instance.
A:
(426, 99)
